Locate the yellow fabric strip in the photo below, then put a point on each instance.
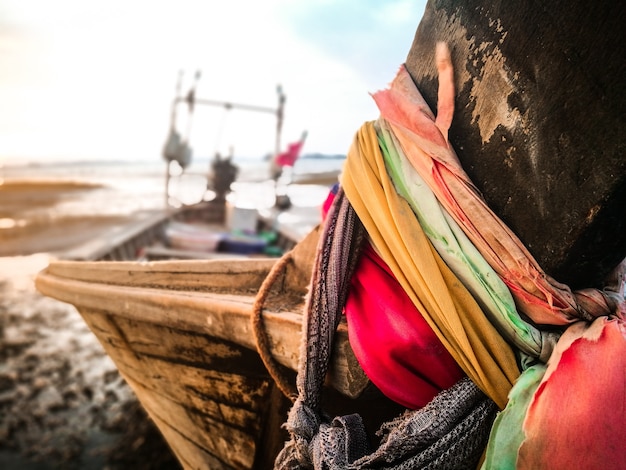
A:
(437, 293)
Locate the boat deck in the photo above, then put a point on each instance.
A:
(145, 237)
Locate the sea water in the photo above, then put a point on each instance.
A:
(126, 187)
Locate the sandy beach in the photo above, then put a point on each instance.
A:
(29, 222)
(63, 405)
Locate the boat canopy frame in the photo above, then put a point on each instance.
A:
(177, 147)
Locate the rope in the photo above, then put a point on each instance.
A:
(260, 333)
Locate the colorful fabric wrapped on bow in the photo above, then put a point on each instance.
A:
(469, 278)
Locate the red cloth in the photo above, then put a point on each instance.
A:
(394, 345)
(289, 157)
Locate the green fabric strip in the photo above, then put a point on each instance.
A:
(461, 255)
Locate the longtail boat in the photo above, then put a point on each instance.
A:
(180, 333)
(534, 126)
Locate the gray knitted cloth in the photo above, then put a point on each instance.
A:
(449, 433)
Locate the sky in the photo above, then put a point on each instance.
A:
(95, 79)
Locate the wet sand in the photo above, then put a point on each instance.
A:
(29, 222)
(63, 405)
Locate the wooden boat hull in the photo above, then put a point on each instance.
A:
(180, 333)
(208, 396)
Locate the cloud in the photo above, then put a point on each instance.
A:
(96, 79)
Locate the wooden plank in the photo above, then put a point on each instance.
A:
(99, 247)
(219, 315)
(214, 374)
(164, 253)
(234, 448)
(194, 275)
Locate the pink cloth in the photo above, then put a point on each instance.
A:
(289, 157)
(583, 389)
(394, 345)
(329, 200)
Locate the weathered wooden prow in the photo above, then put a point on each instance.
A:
(539, 121)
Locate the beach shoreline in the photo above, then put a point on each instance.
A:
(29, 222)
(63, 404)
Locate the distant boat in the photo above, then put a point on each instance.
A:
(198, 231)
(181, 281)
(212, 227)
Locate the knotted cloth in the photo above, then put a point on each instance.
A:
(450, 432)
(441, 298)
(461, 255)
(424, 139)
